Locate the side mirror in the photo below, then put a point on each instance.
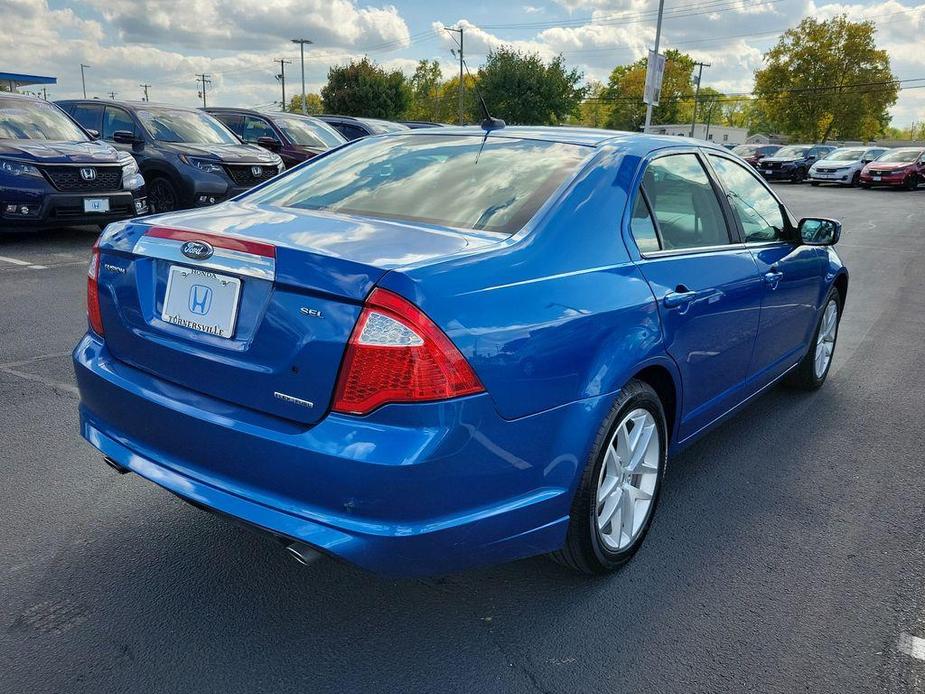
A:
(270, 143)
(819, 231)
(125, 137)
(94, 134)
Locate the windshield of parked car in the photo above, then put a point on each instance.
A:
(901, 155)
(745, 150)
(181, 125)
(21, 119)
(495, 184)
(791, 152)
(846, 155)
(309, 132)
(383, 126)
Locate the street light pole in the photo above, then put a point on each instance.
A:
(83, 80)
(282, 78)
(658, 37)
(302, 43)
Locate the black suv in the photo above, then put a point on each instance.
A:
(294, 137)
(355, 128)
(791, 163)
(52, 173)
(187, 157)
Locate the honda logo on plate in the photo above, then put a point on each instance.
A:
(88, 174)
(200, 299)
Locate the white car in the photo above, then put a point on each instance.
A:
(843, 166)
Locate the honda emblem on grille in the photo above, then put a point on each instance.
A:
(257, 171)
(197, 250)
(88, 174)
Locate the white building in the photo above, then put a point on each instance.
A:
(719, 134)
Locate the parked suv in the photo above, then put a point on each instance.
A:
(755, 153)
(898, 167)
(355, 128)
(792, 163)
(53, 173)
(187, 157)
(843, 166)
(294, 137)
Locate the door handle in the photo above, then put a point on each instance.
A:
(680, 297)
(773, 276)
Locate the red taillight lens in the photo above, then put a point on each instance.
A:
(93, 290)
(397, 354)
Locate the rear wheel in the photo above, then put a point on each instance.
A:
(813, 369)
(162, 195)
(619, 490)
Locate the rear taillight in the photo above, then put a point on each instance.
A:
(397, 354)
(93, 290)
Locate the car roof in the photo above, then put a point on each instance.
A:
(130, 105)
(21, 97)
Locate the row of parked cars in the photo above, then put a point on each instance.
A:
(902, 167)
(90, 161)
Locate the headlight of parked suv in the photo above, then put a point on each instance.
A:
(129, 165)
(206, 165)
(18, 168)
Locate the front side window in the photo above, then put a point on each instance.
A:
(181, 125)
(758, 211)
(115, 119)
(684, 203)
(23, 119)
(495, 184)
(255, 128)
(88, 115)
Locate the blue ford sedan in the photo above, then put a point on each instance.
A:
(430, 351)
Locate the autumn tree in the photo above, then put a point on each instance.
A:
(363, 88)
(594, 111)
(313, 104)
(625, 88)
(523, 89)
(827, 78)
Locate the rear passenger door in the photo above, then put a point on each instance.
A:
(705, 281)
(792, 274)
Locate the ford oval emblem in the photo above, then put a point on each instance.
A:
(197, 250)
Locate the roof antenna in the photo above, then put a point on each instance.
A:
(489, 123)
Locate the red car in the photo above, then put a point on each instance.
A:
(755, 153)
(897, 168)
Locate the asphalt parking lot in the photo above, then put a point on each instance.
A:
(787, 554)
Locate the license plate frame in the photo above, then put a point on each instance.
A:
(877, 178)
(96, 205)
(191, 296)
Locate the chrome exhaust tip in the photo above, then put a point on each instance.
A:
(302, 553)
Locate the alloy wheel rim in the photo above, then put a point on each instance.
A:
(627, 482)
(825, 342)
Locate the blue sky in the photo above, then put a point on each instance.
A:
(165, 42)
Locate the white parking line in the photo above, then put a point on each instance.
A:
(23, 263)
(912, 646)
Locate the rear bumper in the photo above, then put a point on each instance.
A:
(408, 490)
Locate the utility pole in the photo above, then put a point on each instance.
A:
(145, 87)
(706, 135)
(302, 43)
(45, 93)
(83, 80)
(700, 67)
(462, 83)
(112, 95)
(204, 79)
(282, 77)
(658, 38)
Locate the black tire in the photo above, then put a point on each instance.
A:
(911, 182)
(814, 184)
(865, 186)
(856, 179)
(798, 176)
(162, 195)
(584, 550)
(804, 375)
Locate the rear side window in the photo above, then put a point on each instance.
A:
(684, 204)
(642, 227)
(88, 115)
(758, 211)
(115, 119)
(473, 182)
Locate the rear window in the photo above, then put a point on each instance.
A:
(495, 184)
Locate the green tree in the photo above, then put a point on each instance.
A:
(625, 88)
(594, 111)
(313, 104)
(524, 90)
(362, 88)
(448, 108)
(425, 91)
(828, 79)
